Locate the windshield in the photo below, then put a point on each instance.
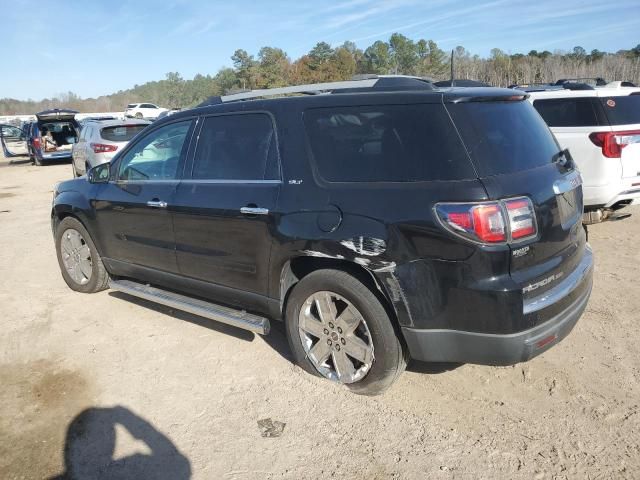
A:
(504, 137)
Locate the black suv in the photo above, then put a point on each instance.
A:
(378, 222)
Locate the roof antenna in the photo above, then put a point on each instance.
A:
(452, 77)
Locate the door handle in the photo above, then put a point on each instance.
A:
(254, 211)
(156, 204)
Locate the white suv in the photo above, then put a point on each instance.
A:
(143, 110)
(601, 128)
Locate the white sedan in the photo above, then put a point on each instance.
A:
(143, 110)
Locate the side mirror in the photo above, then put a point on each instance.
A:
(99, 173)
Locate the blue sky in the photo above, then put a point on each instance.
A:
(98, 47)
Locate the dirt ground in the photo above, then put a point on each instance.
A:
(93, 380)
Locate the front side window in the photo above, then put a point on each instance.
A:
(157, 155)
(236, 147)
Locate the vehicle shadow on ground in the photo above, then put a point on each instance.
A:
(187, 317)
(91, 441)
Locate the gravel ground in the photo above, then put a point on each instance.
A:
(95, 380)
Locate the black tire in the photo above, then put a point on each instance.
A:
(99, 277)
(390, 358)
(138, 115)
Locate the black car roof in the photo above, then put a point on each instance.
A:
(446, 95)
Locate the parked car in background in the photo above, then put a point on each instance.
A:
(52, 135)
(101, 139)
(601, 128)
(14, 141)
(378, 224)
(143, 110)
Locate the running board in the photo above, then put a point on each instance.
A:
(212, 311)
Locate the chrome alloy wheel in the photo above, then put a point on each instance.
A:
(335, 337)
(76, 256)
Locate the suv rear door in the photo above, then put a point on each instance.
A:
(516, 155)
(224, 208)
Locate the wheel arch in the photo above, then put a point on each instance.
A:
(299, 267)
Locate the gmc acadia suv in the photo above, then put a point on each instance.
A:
(380, 220)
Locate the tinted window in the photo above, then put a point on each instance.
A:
(132, 105)
(156, 156)
(147, 105)
(121, 133)
(622, 110)
(236, 147)
(568, 112)
(386, 143)
(504, 137)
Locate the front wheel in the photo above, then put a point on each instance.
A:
(337, 328)
(79, 260)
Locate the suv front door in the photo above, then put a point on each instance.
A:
(223, 214)
(133, 210)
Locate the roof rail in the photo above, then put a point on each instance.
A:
(359, 82)
(309, 89)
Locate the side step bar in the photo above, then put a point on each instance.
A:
(230, 316)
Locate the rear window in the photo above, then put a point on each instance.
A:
(622, 110)
(132, 105)
(504, 137)
(568, 112)
(386, 143)
(121, 133)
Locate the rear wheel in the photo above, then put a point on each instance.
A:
(79, 260)
(138, 115)
(337, 328)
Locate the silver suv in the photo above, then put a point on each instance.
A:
(100, 140)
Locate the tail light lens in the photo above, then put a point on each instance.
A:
(36, 142)
(102, 148)
(522, 219)
(511, 220)
(612, 143)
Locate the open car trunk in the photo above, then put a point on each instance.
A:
(64, 131)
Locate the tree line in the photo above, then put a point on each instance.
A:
(272, 67)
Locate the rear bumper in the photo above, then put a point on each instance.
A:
(508, 349)
(611, 194)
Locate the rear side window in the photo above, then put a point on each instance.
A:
(568, 112)
(121, 133)
(132, 105)
(236, 147)
(622, 110)
(504, 137)
(386, 143)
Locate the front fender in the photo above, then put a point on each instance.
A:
(75, 204)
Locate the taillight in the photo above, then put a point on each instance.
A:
(522, 219)
(612, 143)
(490, 222)
(102, 148)
(36, 142)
